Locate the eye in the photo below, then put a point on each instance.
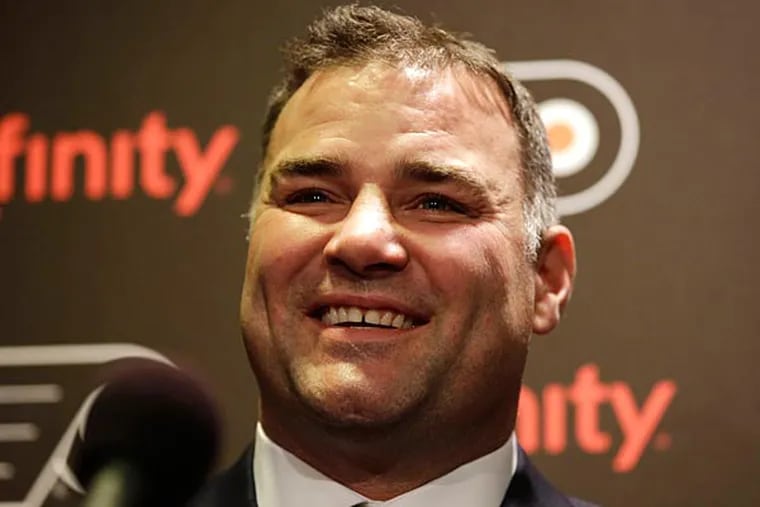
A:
(440, 203)
(308, 196)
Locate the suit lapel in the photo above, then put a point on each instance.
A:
(529, 488)
(250, 489)
(232, 488)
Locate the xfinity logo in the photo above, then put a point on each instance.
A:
(111, 167)
(544, 422)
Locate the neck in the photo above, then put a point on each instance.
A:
(384, 462)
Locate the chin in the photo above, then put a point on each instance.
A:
(360, 421)
(352, 401)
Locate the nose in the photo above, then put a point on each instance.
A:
(367, 241)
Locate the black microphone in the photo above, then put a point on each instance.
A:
(150, 439)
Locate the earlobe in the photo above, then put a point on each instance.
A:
(554, 276)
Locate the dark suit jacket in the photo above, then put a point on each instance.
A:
(235, 488)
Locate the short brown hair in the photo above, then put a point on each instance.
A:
(354, 35)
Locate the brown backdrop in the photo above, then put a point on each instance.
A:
(128, 138)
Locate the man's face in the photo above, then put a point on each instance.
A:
(386, 278)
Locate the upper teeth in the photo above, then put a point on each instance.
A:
(341, 314)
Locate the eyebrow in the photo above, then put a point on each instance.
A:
(425, 172)
(307, 167)
(417, 171)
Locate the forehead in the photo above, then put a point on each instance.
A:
(378, 114)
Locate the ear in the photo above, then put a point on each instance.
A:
(555, 273)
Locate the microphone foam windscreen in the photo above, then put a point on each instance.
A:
(160, 422)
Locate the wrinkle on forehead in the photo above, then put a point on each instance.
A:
(483, 93)
(431, 85)
(424, 88)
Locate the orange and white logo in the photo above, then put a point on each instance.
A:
(574, 132)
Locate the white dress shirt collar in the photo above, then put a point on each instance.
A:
(283, 480)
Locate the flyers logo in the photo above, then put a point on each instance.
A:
(575, 98)
(44, 402)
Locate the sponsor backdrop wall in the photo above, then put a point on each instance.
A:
(128, 141)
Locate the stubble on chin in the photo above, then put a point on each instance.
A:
(345, 393)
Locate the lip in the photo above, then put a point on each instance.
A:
(378, 302)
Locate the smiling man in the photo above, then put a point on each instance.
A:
(403, 249)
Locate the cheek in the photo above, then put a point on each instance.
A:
(281, 249)
(467, 261)
(281, 242)
(483, 275)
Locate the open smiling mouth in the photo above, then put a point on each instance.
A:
(352, 316)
